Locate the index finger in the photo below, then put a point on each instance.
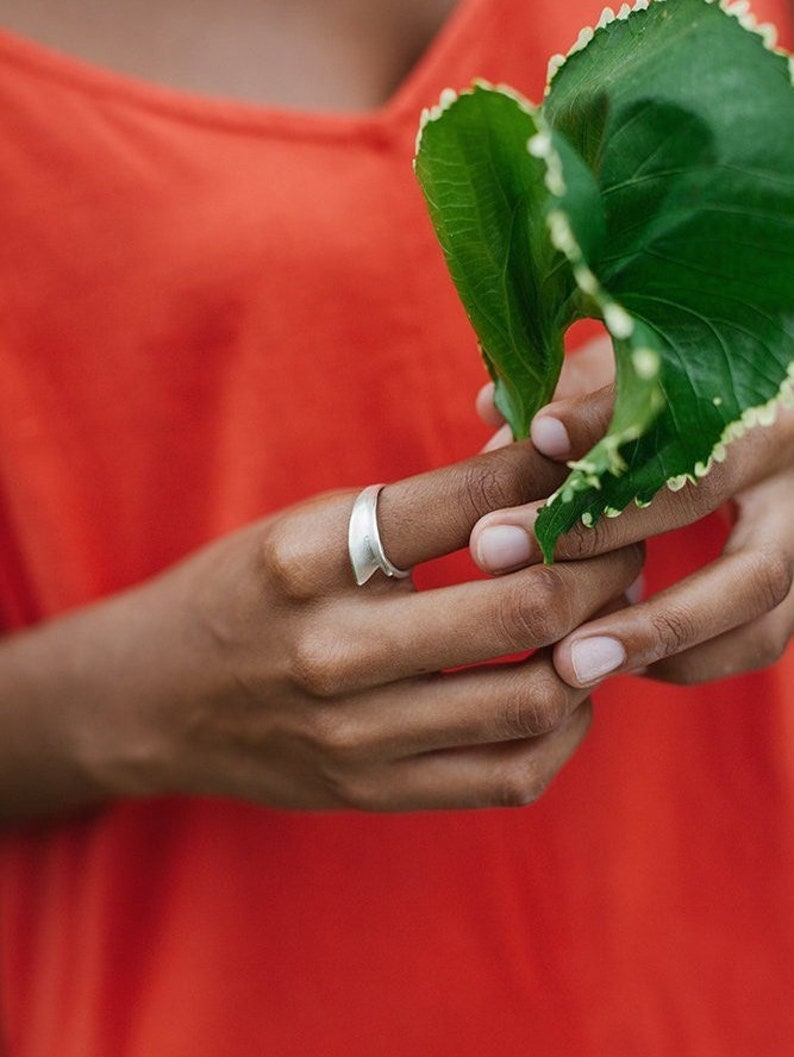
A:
(433, 513)
(505, 540)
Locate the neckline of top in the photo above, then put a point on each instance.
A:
(406, 100)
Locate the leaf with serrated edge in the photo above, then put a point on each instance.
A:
(484, 192)
(653, 189)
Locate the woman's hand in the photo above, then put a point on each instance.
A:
(734, 615)
(257, 669)
(591, 367)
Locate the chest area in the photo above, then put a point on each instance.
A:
(348, 55)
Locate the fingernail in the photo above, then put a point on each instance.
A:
(550, 437)
(503, 547)
(635, 591)
(500, 439)
(595, 657)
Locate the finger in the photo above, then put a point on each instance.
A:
(500, 439)
(511, 774)
(486, 408)
(590, 367)
(505, 540)
(402, 635)
(726, 594)
(755, 645)
(432, 514)
(304, 550)
(587, 369)
(566, 429)
(761, 528)
(480, 706)
(761, 453)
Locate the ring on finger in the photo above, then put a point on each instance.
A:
(363, 539)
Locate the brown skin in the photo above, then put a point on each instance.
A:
(257, 669)
(734, 615)
(317, 54)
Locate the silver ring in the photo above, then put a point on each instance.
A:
(363, 539)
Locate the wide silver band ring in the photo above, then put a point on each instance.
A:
(363, 539)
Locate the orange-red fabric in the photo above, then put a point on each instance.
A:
(211, 310)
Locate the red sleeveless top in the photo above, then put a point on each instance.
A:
(208, 311)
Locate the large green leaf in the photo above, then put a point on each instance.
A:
(654, 189)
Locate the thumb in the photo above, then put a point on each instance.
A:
(567, 429)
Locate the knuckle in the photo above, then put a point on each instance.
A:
(353, 788)
(536, 611)
(770, 643)
(340, 739)
(709, 492)
(320, 665)
(772, 578)
(674, 630)
(587, 541)
(520, 785)
(486, 488)
(352, 797)
(284, 564)
(532, 710)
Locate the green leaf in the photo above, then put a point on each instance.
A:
(485, 194)
(654, 189)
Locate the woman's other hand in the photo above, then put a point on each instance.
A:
(734, 615)
(258, 669)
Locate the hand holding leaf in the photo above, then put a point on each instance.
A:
(654, 189)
